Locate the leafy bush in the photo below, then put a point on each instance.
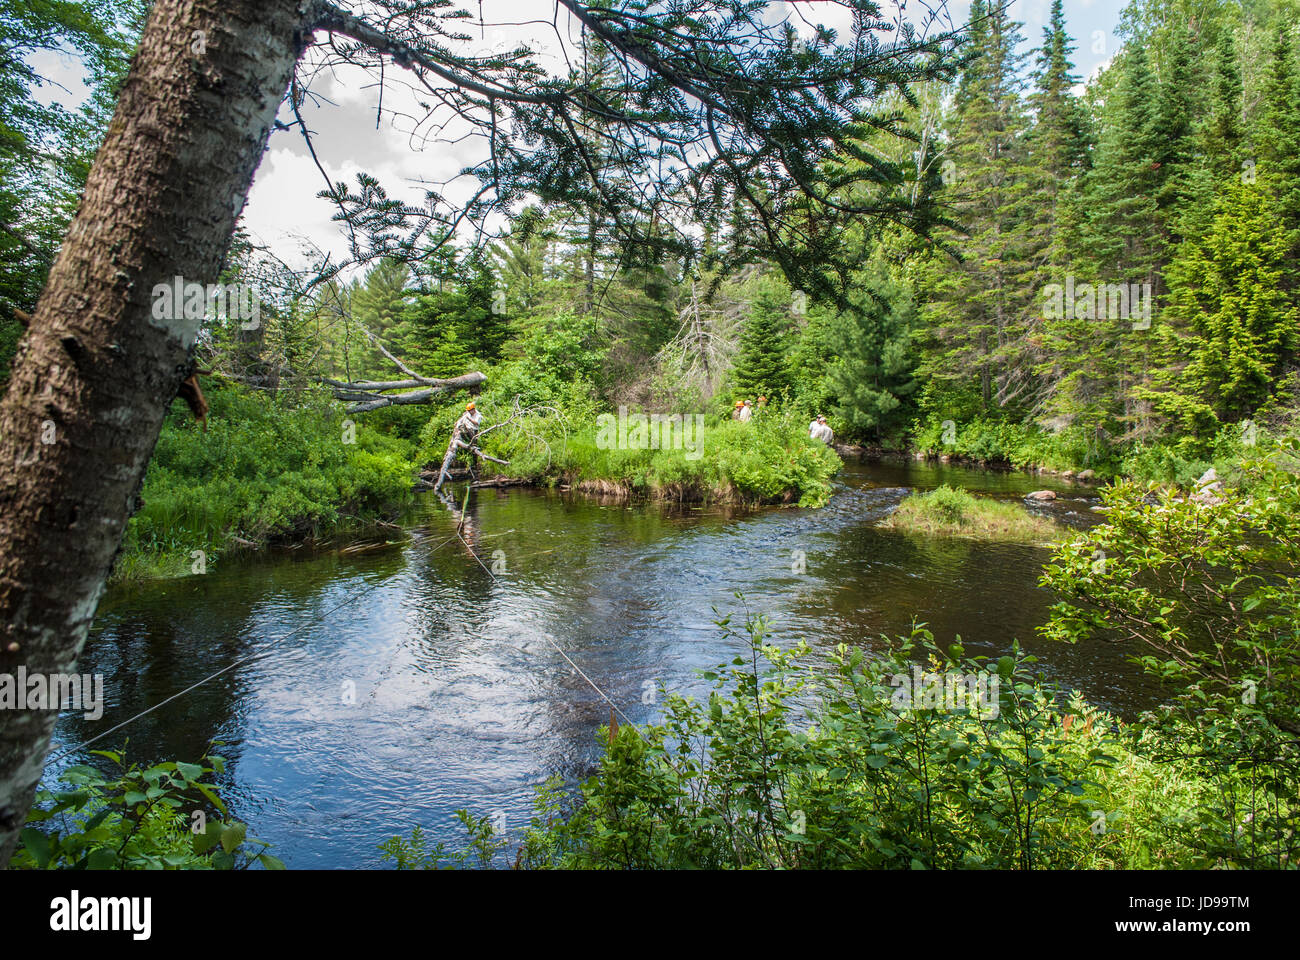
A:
(1206, 590)
(1015, 444)
(802, 766)
(796, 767)
(161, 818)
(263, 470)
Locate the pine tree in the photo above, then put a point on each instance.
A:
(1101, 361)
(1277, 141)
(874, 364)
(1233, 326)
(761, 368)
(1176, 127)
(982, 309)
(1060, 134)
(1220, 143)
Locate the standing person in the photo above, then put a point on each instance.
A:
(824, 433)
(746, 412)
(761, 405)
(735, 411)
(813, 431)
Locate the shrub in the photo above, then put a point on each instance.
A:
(165, 817)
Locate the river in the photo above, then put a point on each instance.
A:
(383, 689)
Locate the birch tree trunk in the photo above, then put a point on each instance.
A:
(97, 370)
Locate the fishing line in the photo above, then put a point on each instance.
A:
(226, 669)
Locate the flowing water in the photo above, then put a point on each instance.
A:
(380, 689)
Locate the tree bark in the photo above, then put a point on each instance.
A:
(97, 370)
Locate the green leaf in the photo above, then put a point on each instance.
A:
(212, 796)
(102, 858)
(203, 842)
(37, 844)
(232, 836)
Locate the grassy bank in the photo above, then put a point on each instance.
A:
(265, 471)
(768, 460)
(1176, 460)
(952, 512)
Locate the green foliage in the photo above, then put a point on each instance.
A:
(416, 854)
(165, 817)
(859, 362)
(1234, 326)
(862, 780)
(1206, 583)
(265, 469)
(990, 440)
(761, 368)
(796, 765)
(1204, 592)
(768, 460)
(950, 511)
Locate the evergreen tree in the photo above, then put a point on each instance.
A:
(1101, 361)
(873, 371)
(982, 308)
(761, 368)
(1233, 326)
(1060, 135)
(378, 303)
(1277, 142)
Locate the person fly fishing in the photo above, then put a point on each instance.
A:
(468, 424)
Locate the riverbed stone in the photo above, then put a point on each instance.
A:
(1041, 495)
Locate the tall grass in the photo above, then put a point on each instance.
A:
(265, 470)
(950, 511)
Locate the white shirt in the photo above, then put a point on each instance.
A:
(469, 421)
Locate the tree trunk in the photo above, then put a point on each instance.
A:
(97, 370)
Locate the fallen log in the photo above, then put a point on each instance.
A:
(501, 482)
(367, 395)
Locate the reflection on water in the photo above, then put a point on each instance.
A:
(386, 688)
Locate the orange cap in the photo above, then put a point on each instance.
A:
(470, 405)
(740, 403)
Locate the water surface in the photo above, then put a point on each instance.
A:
(385, 688)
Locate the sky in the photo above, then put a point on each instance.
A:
(284, 213)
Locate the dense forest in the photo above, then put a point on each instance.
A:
(1009, 266)
(1114, 288)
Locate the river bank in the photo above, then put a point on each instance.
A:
(768, 461)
